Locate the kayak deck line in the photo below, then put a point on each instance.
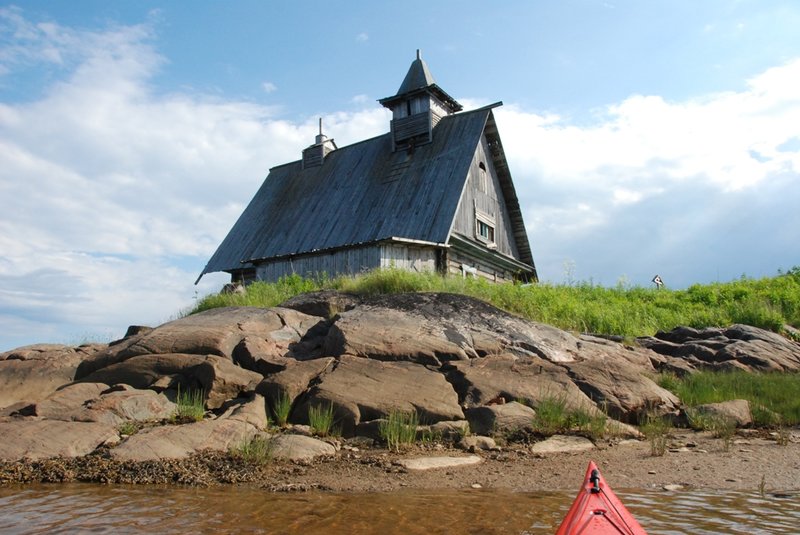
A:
(597, 510)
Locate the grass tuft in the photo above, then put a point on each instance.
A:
(656, 430)
(281, 408)
(191, 406)
(255, 450)
(399, 430)
(320, 418)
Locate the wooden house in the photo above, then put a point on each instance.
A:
(433, 194)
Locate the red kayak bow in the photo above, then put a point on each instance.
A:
(597, 510)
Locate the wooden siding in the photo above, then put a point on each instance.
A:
(408, 257)
(342, 262)
(408, 127)
(457, 261)
(489, 202)
(351, 261)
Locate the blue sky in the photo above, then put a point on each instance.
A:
(643, 137)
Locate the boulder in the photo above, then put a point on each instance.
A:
(218, 377)
(432, 328)
(299, 448)
(621, 389)
(362, 389)
(735, 410)
(31, 373)
(294, 380)
(501, 418)
(228, 431)
(735, 347)
(44, 439)
(128, 405)
(562, 443)
(475, 443)
(213, 332)
(65, 404)
(511, 378)
(325, 304)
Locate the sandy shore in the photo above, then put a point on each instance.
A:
(752, 461)
(693, 460)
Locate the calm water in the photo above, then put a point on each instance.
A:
(117, 509)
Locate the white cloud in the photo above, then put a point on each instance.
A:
(363, 37)
(672, 165)
(269, 87)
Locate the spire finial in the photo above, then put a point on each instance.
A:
(419, 54)
(320, 126)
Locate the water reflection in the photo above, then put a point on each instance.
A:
(119, 509)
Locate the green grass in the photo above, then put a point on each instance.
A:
(774, 397)
(656, 430)
(190, 406)
(255, 450)
(320, 418)
(399, 430)
(553, 416)
(628, 311)
(281, 408)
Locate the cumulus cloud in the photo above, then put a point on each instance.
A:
(652, 182)
(269, 87)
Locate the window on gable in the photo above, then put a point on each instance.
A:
(485, 231)
(484, 227)
(483, 180)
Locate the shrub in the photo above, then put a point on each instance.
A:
(399, 429)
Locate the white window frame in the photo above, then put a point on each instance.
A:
(489, 221)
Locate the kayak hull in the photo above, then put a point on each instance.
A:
(597, 510)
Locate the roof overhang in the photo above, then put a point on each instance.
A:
(491, 256)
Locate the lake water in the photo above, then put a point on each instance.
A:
(84, 508)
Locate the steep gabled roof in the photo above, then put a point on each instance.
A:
(362, 193)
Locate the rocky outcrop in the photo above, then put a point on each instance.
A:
(501, 418)
(218, 378)
(213, 332)
(42, 439)
(684, 349)
(31, 373)
(362, 389)
(449, 358)
(229, 430)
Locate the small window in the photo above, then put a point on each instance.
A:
(486, 231)
(484, 227)
(483, 180)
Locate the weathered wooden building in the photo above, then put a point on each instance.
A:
(433, 194)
